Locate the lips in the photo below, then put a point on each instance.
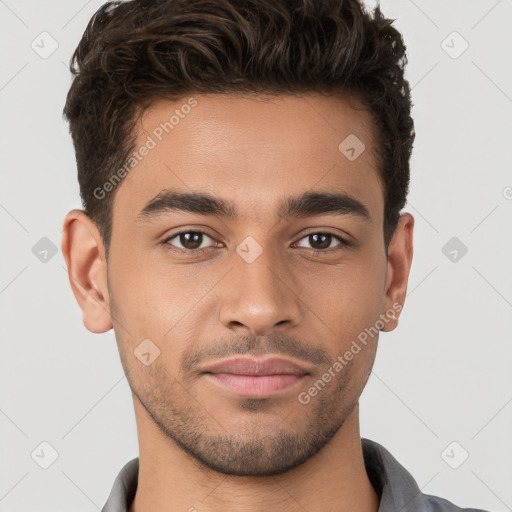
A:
(255, 377)
(257, 367)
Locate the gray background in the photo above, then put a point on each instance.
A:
(443, 376)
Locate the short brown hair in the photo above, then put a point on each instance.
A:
(136, 51)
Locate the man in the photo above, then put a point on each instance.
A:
(243, 166)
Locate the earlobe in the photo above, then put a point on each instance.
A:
(84, 253)
(400, 253)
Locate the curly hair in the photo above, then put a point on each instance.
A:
(136, 51)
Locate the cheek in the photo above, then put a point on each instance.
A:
(155, 299)
(136, 292)
(348, 300)
(352, 292)
(148, 305)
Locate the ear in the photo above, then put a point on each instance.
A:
(400, 254)
(84, 254)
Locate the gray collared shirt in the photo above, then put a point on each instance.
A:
(397, 489)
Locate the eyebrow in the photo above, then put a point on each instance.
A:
(305, 205)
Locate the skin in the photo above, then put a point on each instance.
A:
(202, 446)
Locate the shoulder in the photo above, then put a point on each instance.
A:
(397, 488)
(437, 504)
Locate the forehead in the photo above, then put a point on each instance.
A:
(253, 150)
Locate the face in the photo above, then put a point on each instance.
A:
(245, 237)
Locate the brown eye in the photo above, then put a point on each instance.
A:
(322, 241)
(189, 240)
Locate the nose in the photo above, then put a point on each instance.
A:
(260, 296)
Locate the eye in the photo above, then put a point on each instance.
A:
(190, 241)
(321, 242)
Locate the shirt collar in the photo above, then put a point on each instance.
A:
(123, 490)
(396, 487)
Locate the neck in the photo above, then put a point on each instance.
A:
(334, 479)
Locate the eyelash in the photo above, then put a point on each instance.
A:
(343, 243)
